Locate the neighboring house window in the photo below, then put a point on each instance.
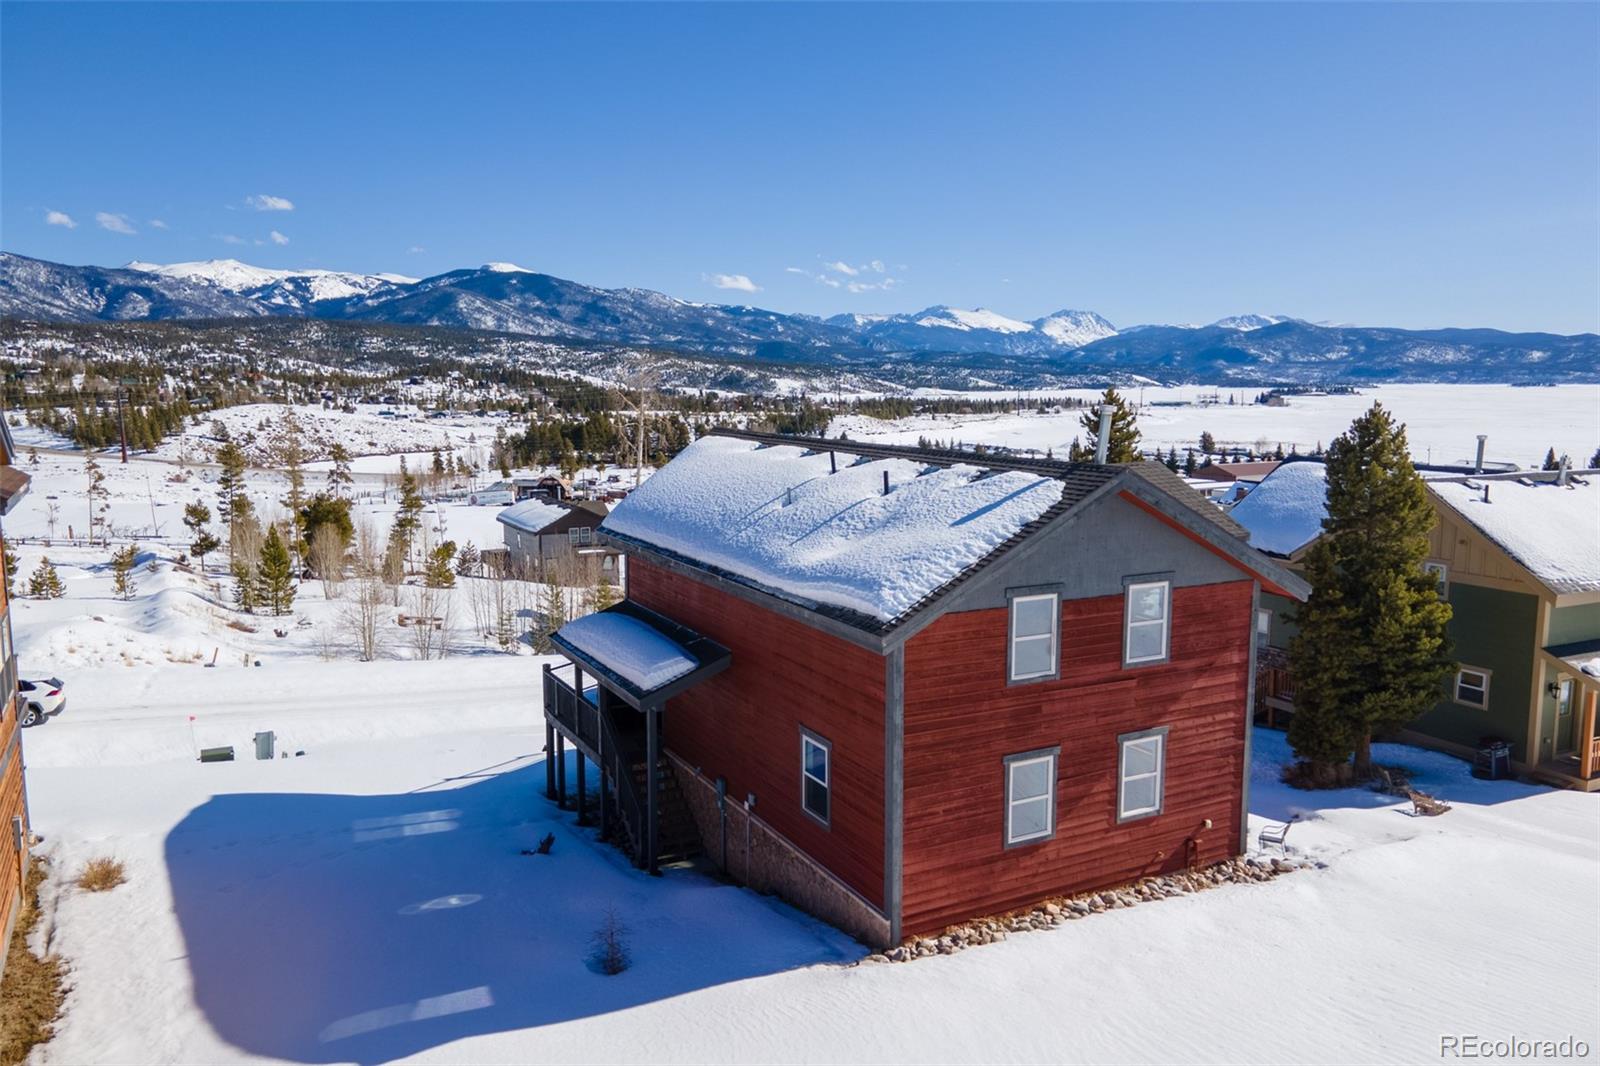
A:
(1035, 640)
(816, 758)
(1263, 626)
(580, 535)
(1472, 687)
(1440, 573)
(1031, 796)
(1148, 617)
(1141, 773)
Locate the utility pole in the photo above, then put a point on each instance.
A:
(122, 426)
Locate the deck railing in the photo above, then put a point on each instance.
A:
(582, 719)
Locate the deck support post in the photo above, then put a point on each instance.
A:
(549, 761)
(603, 697)
(652, 757)
(561, 770)
(581, 787)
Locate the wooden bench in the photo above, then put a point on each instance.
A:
(1276, 834)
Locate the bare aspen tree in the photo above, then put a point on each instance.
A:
(328, 558)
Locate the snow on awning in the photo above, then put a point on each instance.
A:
(1582, 658)
(823, 531)
(638, 652)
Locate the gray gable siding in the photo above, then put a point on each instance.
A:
(1090, 556)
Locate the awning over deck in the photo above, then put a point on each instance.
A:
(1582, 658)
(640, 656)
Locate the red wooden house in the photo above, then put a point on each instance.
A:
(905, 687)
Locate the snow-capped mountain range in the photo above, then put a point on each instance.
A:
(507, 298)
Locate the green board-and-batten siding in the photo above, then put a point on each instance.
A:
(1493, 630)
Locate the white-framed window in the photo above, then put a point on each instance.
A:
(816, 770)
(1148, 621)
(1441, 574)
(1472, 687)
(580, 535)
(1141, 773)
(1031, 796)
(1263, 625)
(1035, 636)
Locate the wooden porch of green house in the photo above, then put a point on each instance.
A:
(1575, 757)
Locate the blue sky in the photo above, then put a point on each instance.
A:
(1407, 165)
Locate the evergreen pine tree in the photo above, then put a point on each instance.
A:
(1208, 443)
(12, 564)
(339, 477)
(1371, 651)
(1594, 460)
(468, 559)
(123, 561)
(1188, 462)
(553, 610)
(1124, 444)
(275, 574)
(605, 593)
(45, 583)
(407, 519)
(440, 570)
(1550, 460)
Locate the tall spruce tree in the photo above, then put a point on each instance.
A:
(1371, 652)
(339, 477)
(1123, 446)
(407, 518)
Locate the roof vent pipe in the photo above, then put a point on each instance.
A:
(1477, 467)
(1563, 471)
(1103, 441)
(1486, 494)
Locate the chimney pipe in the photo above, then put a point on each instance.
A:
(1486, 494)
(1563, 471)
(1477, 468)
(1102, 443)
(886, 482)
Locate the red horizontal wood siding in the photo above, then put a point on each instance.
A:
(962, 720)
(744, 724)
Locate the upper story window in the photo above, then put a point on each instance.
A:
(581, 535)
(1441, 574)
(1035, 636)
(1031, 796)
(816, 767)
(1147, 622)
(1472, 687)
(1263, 626)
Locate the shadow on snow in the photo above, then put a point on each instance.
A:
(363, 928)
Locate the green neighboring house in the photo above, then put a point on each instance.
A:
(1518, 557)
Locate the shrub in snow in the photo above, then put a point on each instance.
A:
(101, 875)
(123, 561)
(45, 583)
(610, 955)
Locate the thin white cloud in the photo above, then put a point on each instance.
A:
(733, 281)
(796, 270)
(230, 238)
(278, 238)
(876, 266)
(872, 286)
(59, 218)
(115, 223)
(156, 223)
(416, 249)
(851, 278)
(838, 266)
(263, 202)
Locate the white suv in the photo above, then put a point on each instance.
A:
(39, 699)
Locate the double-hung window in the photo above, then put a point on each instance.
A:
(1141, 773)
(1147, 622)
(1441, 574)
(1035, 635)
(1031, 796)
(1472, 687)
(816, 769)
(580, 535)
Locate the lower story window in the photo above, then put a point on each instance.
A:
(816, 757)
(1031, 796)
(1141, 773)
(1472, 687)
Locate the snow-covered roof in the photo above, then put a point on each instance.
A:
(531, 516)
(1552, 530)
(1284, 512)
(634, 650)
(777, 516)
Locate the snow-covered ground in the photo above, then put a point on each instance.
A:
(368, 900)
(1442, 421)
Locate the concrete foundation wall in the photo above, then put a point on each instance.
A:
(758, 856)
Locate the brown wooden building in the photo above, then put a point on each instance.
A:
(14, 826)
(904, 687)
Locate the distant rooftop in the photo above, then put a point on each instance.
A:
(1284, 513)
(1553, 530)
